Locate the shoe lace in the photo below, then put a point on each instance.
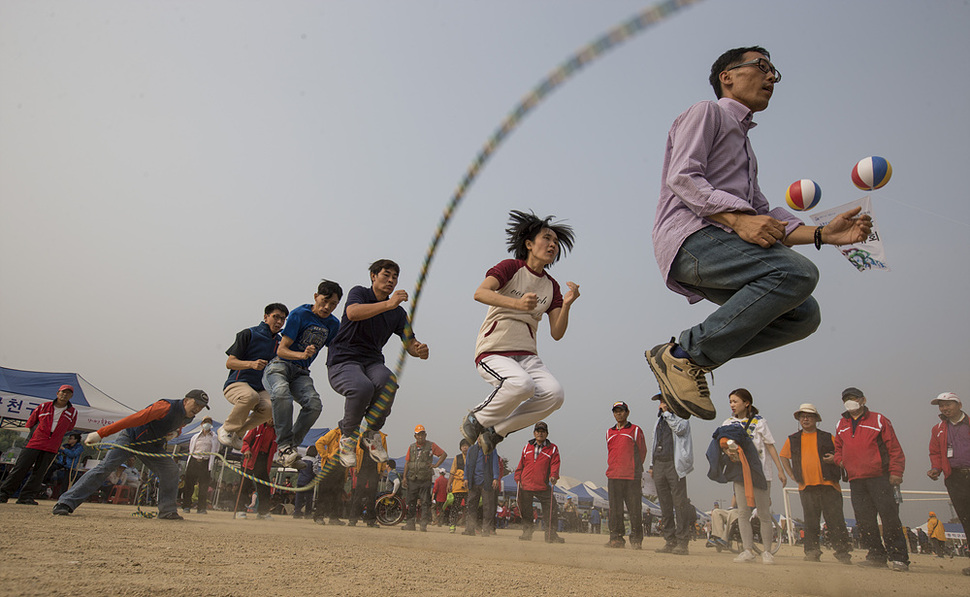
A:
(699, 374)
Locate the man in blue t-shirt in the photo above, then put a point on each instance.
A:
(246, 359)
(355, 361)
(308, 329)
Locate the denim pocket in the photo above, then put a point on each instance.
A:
(685, 268)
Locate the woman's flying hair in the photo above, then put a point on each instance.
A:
(526, 226)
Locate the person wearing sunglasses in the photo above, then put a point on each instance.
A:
(716, 238)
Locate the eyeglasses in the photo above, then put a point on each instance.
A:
(763, 65)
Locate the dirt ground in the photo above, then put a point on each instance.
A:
(103, 550)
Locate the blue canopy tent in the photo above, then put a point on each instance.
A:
(23, 391)
(584, 499)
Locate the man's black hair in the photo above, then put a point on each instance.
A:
(329, 288)
(527, 226)
(382, 264)
(730, 58)
(276, 307)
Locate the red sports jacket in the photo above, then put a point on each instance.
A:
(872, 450)
(537, 465)
(626, 451)
(259, 440)
(43, 437)
(938, 440)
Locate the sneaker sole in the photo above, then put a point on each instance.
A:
(659, 368)
(471, 439)
(656, 363)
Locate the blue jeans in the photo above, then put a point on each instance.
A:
(287, 383)
(361, 386)
(765, 295)
(164, 468)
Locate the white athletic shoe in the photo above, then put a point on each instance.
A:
(228, 438)
(372, 443)
(767, 558)
(744, 557)
(240, 515)
(291, 457)
(348, 452)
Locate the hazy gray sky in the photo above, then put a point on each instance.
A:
(167, 169)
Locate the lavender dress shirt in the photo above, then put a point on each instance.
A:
(709, 168)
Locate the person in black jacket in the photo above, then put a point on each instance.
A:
(807, 457)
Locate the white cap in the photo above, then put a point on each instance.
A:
(946, 396)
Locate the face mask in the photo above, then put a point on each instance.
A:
(851, 405)
(207, 426)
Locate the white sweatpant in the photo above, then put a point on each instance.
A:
(525, 393)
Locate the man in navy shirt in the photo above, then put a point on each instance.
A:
(248, 356)
(308, 329)
(355, 361)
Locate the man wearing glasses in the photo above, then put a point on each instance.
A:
(716, 238)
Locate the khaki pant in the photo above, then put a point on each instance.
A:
(245, 399)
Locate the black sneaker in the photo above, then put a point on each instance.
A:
(555, 539)
(61, 510)
(373, 525)
(668, 548)
(471, 428)
(170, 516)
(488, 440)
(680, 550)
(27, 502)
(616, 544)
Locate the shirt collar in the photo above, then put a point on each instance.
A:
(739, 111)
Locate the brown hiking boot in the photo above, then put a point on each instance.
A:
(682, 382)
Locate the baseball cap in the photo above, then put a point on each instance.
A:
(657, 397)
(932, 513)
(66, 388)
(419, 429)
(541, 425)
(808, 408)
(620, 404)
(851, 392)
(946, 396)
(199, 396)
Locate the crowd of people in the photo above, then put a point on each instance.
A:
(716, 238)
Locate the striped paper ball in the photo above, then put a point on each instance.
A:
(872, 173)
(803, 194)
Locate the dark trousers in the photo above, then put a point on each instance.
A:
(260, 471)
(487, 495)
(550, 511)
(824, 500)
(303, 500)
(365, 493)
(672, 495)
(958, 486)
(456, 511)
(328, 494)
(626, 492)
(419, 490)
(869, 498)
(33, 461)
(196, 471)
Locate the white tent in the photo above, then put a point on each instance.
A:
(23, 391)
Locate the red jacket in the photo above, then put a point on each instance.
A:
(259, 440)
(872, 450)
(626, 450)
(43, 437)
(938, 441)
(537, 465)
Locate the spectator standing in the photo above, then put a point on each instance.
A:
(536, 475)
(418, 470)
(459, 487)
(439, 493)
(47, 423)
(671, 460)
(803, 457)
(366, 477)
(934, 528)
(626, 449)
(258, 448)
(950, 455)
(867, 449)
(482, 476)
(198, 466)
(331, 487)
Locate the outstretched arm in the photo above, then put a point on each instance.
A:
(846, 228)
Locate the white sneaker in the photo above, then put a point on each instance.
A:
(240, 515)
(767, 558)
(348, 452)
(228, 438)
(375, 450)
(745, 556)
(291, 457)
